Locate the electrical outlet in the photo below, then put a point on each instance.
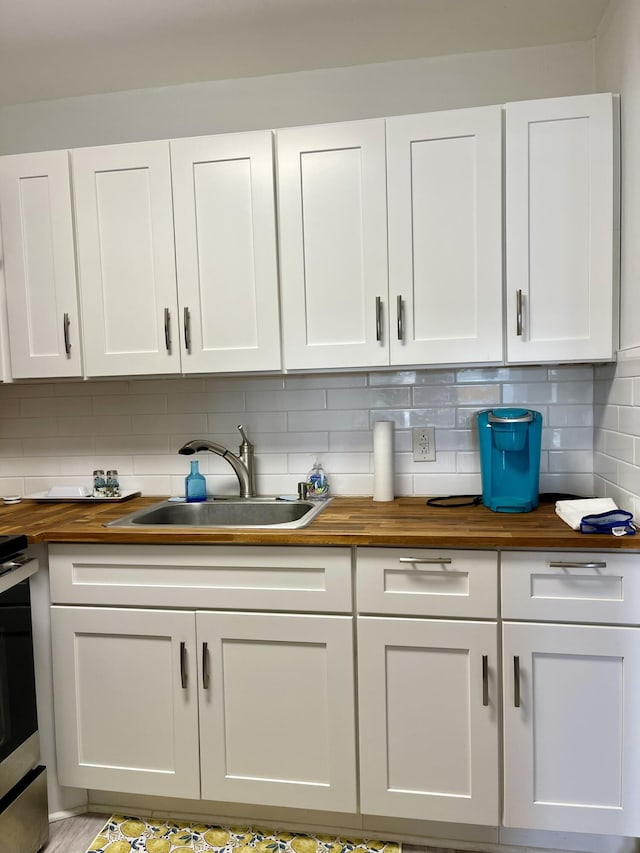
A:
(424, 444)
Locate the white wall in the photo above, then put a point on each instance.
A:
(282, 100)
(617, 390)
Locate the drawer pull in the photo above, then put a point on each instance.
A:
(399, 317)
(183, 665)
(425, 560)
(378, 318)
(485, 679)
(205, 666)
(516, 681)
(562, 564)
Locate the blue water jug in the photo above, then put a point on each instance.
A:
(510, 458)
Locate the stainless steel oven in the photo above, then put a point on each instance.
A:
(23, 783)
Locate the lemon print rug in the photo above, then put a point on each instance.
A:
(123, 834)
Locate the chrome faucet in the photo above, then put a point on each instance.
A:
(243, 464)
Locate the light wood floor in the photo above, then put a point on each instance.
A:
(74, 834)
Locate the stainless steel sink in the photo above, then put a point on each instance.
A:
(225, 512)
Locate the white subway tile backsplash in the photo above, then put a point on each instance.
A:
(253, 422)
(568, 416)
(58, 446)
(11, 446)
(328, 420)
(183, 385)
(10, 409)
(368, 398)
(132, 444)
(204, 401)
(290, 442)
(412, 377)
(529, 394)
(130, 404)
(408, 418)
(568, 438)
(51, 407)
(285, 401)
(501, 374)
(325, 380)
(20, 427)
(95, 388)
(353, 440)
(194, 424)
(93, 425)
(619, 446)
(56, 433)
(571, 461)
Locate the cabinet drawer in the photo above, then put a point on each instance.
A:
(203, 576)
(419, 582)
(571, 587)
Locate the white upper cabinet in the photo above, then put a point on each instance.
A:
(225, 233)
(333, 244)
(39, 265)
(126, 258)
(444, 185)
(560, 229)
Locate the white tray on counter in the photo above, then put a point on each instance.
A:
(45, 496)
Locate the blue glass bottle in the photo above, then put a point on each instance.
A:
(195, 485)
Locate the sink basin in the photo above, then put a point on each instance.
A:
(225, 512)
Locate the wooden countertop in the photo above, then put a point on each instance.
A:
(345, 521)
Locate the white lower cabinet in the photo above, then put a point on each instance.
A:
(172, 679)
(571, 692)
(428, 700)
(232, 706)
(125, 700)
(276, 710)
(572, 736)
(428, 687)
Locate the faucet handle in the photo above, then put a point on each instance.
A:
(245, 440)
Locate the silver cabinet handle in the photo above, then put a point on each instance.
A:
(516, 681)
(378, 318)
(66, 322)
(183, 665)
(519, 313)
(485, 679)
(187, 330)
(428, 560)
(205, 666)
(568, 564)
(167, 330)
(399, 314)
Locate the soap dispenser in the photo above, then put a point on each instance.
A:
(317, 483)
(195, 485)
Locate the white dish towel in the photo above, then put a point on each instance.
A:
(572, 512)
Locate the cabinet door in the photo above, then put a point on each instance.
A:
(125, 700)
(560, 244)
(428, 719)
(277, 722)
(126, 258)
(39, 265)
(444, 184)
(333, 244)
(224, 209)
(572, 729)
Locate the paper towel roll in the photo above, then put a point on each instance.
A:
(383, 461)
